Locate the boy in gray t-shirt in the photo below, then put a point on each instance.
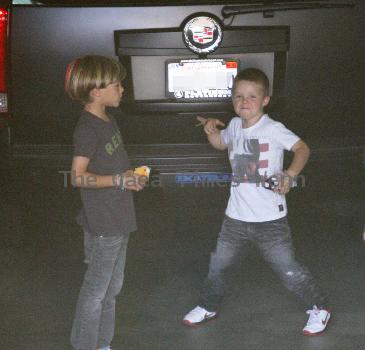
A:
(101, 169)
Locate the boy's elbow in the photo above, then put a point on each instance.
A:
(222, 147)
(219, 146)
(76, 179)
(302, 147)
(74, 182)
(307, 149)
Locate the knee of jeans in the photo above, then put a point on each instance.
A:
(94, 292)
(219, 263)
(114, 289)
(293, 278)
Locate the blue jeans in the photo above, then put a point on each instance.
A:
(273, 239)
(93, 326)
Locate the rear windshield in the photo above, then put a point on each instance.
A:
(119, 2)
(137, 2)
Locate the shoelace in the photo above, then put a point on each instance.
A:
(313, 315)
(197, 311)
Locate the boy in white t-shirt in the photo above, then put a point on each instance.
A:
(256, 210)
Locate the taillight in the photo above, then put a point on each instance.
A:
(3, 38)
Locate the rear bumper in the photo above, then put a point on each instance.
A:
(186, 164)
(171, 163)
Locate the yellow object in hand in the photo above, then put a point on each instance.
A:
(143, 171)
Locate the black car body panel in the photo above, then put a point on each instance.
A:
(315, 57)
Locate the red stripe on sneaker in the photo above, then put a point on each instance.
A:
(206, 320)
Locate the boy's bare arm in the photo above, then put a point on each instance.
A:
(80, 177)
(213, 133)
(300, 159)
(301, 155)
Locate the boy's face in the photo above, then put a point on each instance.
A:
(112, 94)
(249, 100)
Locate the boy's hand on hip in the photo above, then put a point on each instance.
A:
(285, 183)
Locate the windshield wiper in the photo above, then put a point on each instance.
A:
(269, 7)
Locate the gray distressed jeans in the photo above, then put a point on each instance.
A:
(273, 239)
(93, 326)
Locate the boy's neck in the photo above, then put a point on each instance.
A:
(248, 123)
(97, 109)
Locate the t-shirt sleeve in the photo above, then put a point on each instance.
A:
(283, 137)
(85, 141)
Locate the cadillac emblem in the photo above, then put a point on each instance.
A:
(202, 34)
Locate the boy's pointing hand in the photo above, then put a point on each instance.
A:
(211, 125)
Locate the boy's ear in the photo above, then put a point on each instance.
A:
(94, 93)
(266, 100)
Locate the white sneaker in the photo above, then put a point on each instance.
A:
(317, 322)
(198, 316)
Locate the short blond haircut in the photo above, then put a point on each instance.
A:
(254, 75)
(91, 72)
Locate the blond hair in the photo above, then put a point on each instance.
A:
(91, 72)
(254, 75)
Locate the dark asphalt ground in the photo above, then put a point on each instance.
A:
(42, 268)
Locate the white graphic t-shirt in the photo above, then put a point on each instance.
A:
(255, 154)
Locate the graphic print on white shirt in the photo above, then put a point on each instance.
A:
(247, 160)
(256, 153)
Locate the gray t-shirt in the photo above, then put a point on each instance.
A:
(106, 211)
